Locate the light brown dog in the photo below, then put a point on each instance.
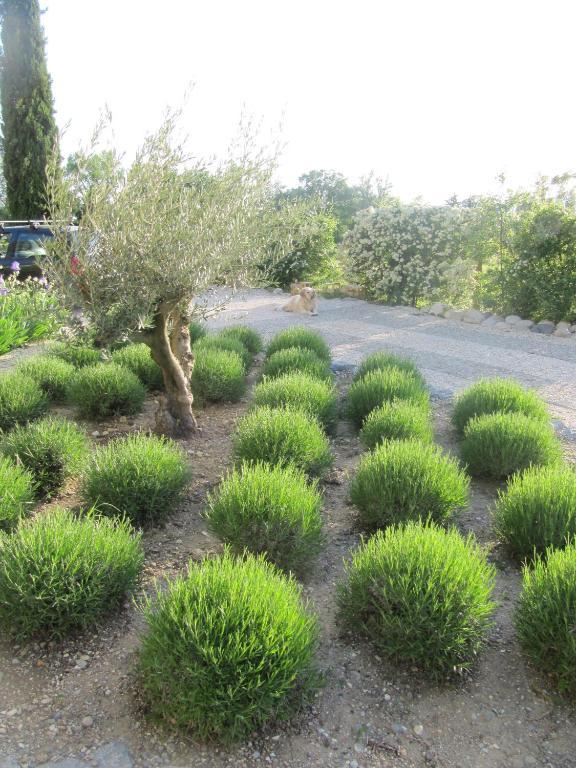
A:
(302, 304)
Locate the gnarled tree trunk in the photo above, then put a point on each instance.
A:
(169, 342)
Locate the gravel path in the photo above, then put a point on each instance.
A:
(450, 354)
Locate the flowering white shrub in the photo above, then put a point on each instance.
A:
(400, 253)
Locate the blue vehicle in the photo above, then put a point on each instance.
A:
(25, 244)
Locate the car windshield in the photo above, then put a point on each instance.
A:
(29, 244)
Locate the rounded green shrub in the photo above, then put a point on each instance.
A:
(403, 480)
(77, 355)
(249, 337)
(379, 387)
(228, 648)
(296, 360)
(60, 573)
(140, 476)
(105, 390)
(197, 331)
(137, 358)
(298, 390)
(496, 396)
(300, 336)
(421, 595)
(382, 361)
(282, 436)
(226, 344)
(499, 444)
(397, 420)
(21, 400)
(52, 449)
(218, 375)
(537, 511)
(16, 493)
(50, 373)
(269, 510)
(546, 616)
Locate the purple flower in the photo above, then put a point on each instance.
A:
(15, 266)
(43, 282)
(4, 291)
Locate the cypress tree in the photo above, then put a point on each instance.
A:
(28, 124)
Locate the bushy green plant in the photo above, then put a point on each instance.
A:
(379, 387)
(229, 647)
(50, 373)
(52, 449)
(227, 344)
(246, 335)
(499, 444)
(421, 595)
(296, 359)
(404, 480)
(196, 330)
(537, 511)
(496, 396)
(104, 390)
(298, 390)
(546, 616)
(218, 375)
(16, 493)
(76, 354)
(381, 361)
(29, 311)
(140, 476)
(398, 420)
(60, 573)
(269, 510)
(282, 436)
(300, 336)
(137, 358)
(21, 400)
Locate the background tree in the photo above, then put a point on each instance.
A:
(28, 123)
(152, 238)
(86, 172)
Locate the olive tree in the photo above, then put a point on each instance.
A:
(153, 237)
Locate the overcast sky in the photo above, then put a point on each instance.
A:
(437, 95)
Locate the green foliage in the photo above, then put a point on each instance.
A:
(29, 311)
(248, 336)
(52, 449)
(50, 373)
(76, 354)
(21, 400)
(404, 480)
(197, 331)
(300, 336)
(105, 390)
(142, 477)
(382, 361)
(537, 511)
(383, 386)
(422, 595)
(28, 127)
(16, 493)
(300, 391)
(137, 358)
(60, 573)
(496, 396)
(227, 344)
(546, 616)
(218, 375)
(282, 436)
(398, 420)
(229, 647)
(499, 444)
(296, 359)
(269, 510)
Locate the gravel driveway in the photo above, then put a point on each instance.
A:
(449, 353)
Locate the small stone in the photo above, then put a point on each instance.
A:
(87, 722)
(255, 755)
(81, 664)
(95, 433)
(418, 730)
(399, 729)
(354, 764)
(277, 291)
(324, 737)
(113, 755)
(387, 697)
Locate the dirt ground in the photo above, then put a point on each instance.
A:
(61, 700)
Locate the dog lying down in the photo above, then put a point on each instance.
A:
(304, 303)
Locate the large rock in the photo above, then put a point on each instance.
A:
(502, 326)
(564, 325)
(513, 319)
(524, 324)
(547, 327)
(113, 755)
(438, 309)
(563, 333)
(492, 320)
(473, 316)
(454, 314)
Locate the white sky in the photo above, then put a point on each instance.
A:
(437, 95)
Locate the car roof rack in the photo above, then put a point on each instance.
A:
(31, 223)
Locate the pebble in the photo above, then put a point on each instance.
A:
(418, 730)
(113, 755)
(399, 729)
(354, 764)
(87, 722)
